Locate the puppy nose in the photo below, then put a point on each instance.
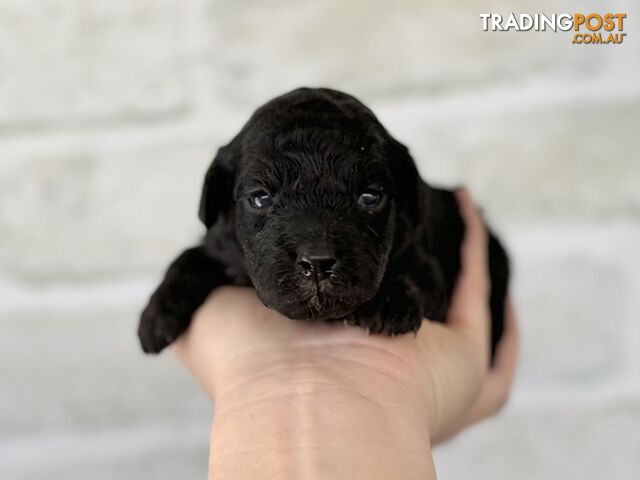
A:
(317, 265)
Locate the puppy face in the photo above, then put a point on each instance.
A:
(315, 220)
(313, 202)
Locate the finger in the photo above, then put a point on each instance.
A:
(474, 278)
(498, 383)
(469, 306)
(506, 358)
(473, 256)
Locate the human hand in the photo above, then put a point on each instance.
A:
(498, 381)
(341, 385)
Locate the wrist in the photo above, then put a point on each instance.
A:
(325, 419)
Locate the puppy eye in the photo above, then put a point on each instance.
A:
(260, 199)
(371, 198)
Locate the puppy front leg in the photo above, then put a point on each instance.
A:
(395, 309)
(404, 299)
(186, 285)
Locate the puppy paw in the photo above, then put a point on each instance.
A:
(392, 312)
(159, 326)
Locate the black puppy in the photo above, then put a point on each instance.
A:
(318, 208)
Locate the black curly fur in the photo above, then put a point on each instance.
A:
(315, 151)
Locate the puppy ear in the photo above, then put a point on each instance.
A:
(217, 192)
(408, 183)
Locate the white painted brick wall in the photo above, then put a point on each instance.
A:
(110, 113)
(69, 62)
